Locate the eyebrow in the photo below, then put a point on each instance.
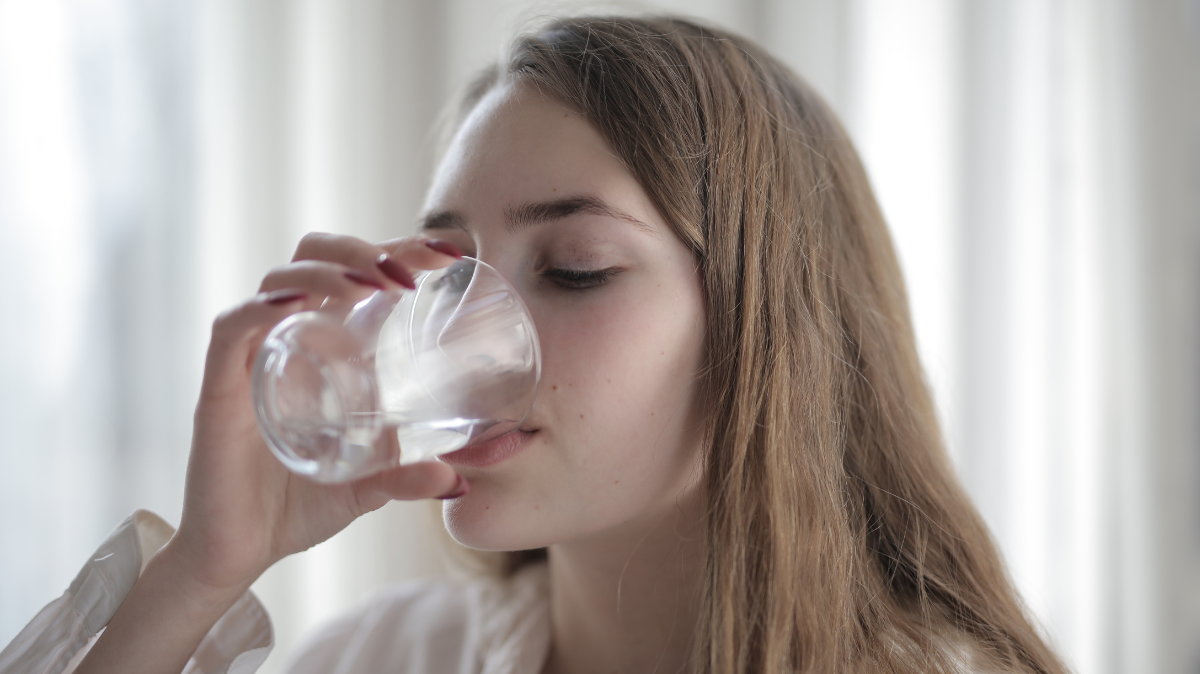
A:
(536, 212)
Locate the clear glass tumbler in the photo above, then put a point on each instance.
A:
(404, 377)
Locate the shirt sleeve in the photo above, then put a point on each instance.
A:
(59, 635)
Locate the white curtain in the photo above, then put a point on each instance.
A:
(1038, 160)
(100, 337)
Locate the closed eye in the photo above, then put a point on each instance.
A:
(580, 279)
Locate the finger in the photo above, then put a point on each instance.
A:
(421, 252)
(323, 279)
(389, 262)
(237, 332)
(350, 252)
(427, 479)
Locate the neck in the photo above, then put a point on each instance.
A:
(627, 600)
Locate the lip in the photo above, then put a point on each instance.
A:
(491, 452)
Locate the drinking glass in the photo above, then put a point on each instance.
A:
(404, 377)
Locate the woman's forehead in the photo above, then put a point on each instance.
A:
(521, 119)
(519, 140)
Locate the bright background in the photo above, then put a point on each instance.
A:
(1038, 160)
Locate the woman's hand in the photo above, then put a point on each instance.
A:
(243, 511)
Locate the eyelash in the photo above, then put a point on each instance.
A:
(579, 279)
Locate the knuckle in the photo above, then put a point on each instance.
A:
(223, 319)
(240, 319)
(310, 244)
(226, 322)
(274, 273)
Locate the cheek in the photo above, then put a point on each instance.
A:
(618, 437)
(618, 387)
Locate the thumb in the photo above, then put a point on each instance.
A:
(427, 479)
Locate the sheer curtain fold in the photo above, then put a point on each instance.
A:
(1036, 160)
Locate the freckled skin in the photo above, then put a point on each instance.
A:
(610, 411)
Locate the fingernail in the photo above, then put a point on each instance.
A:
(285, 296)
(395, 271)
(445, 248)
(461, 487)
(362, 279)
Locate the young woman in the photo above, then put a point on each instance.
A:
(733, 464)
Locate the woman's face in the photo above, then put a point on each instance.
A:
(614, 439)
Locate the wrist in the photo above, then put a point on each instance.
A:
(162, 620)
(172, 566)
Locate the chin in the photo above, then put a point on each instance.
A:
(480, 523)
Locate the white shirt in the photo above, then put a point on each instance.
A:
(483, 626)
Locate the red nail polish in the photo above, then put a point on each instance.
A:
(285, 296)
(362, 279)
(445, 248)
(461, 487)
(395, 271)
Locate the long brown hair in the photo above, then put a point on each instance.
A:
(839, 539)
